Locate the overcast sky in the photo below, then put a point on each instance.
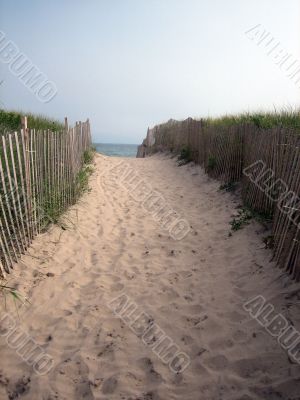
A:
(129, 64)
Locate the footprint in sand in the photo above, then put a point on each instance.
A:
(193, 309)
(151, 395)
(70, 378)
(217, 363)
(170, 293)
(221, 343)
(17, 388)
(196, 321)
(99, 231)
(129, 275)
(107, 351)
(109, 385)
(187, 340)
(136, 270)
(240, 293)
(240, 336)
(67, 313)
(116, 287)
(94, 258)
(189, 297)
(235, 316)
(147, 366)
(83, 390)
(185, 274)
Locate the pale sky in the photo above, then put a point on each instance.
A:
(130, 64)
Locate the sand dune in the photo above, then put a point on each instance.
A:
(192, 289)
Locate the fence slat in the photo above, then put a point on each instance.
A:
(38, 174)
(223, 152)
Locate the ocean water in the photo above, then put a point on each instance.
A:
(116, 150)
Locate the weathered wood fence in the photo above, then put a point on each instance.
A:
(38, 180)
(265, 161)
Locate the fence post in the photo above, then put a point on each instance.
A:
(66, 124)
(24, 127)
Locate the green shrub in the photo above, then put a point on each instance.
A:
(212, 162)
(243, 218)
(88, 156)
(269, 241)
(82, 180)
(185, 154)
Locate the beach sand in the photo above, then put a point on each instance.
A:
(193, 289)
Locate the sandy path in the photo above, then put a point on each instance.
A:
(194, 289)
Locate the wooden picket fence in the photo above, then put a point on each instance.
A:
(38, 181)
(272, 187)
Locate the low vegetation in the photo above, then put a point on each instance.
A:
(211, 163)
(229, 187)
(88, 155)
(52, 207)
(245, 214)
(82, 179)
(243, 218)
(264, 120)
(11, 121)
(13, 293)
(269, 241)
(185, 156)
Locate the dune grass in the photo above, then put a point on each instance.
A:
(52, 207)
(263, 120)
(11, 121)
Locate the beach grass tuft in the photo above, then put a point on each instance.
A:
(262, 119)
(11, 121)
